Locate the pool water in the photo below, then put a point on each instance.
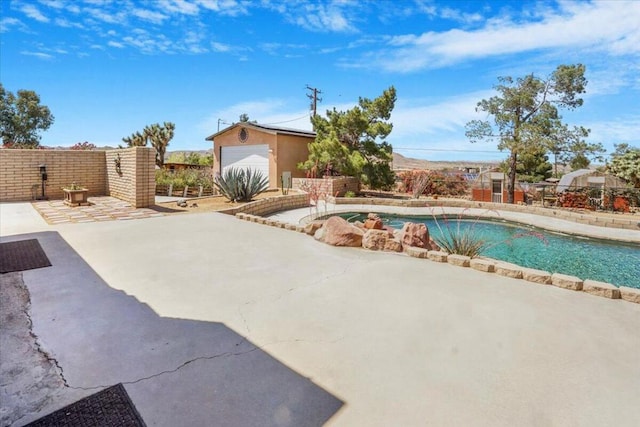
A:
(607, 261)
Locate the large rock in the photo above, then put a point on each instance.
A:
(416, 235)
(381, 240)
(313, 226)
(337, 231)
(373, 222)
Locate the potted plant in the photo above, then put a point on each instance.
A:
(75, 195)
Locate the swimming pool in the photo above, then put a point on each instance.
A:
(607, 261)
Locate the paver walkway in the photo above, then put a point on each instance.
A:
(103, 208)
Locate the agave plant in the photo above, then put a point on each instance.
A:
(455, 240)
(460, 239)
(241, 185)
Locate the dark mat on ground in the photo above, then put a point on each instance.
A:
(22, 255)
(110, 407)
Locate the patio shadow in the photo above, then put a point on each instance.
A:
(176, 371)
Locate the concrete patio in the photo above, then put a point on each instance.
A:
(209, 320)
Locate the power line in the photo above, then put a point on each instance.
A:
(287, 121)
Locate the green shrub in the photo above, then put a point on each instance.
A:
(241, 185)
(349, 194)
(187, 177)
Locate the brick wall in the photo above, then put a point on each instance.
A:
(19, 172)
(331, 186)
(93, 169)
(135, 180)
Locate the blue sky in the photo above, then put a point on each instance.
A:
(108, 68)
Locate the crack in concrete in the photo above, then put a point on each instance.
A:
(179, 367)
(38, 345)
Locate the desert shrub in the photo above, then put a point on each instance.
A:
(436, 183)
(461, 237)
(187, 177)
(458, 240)
(241, 185)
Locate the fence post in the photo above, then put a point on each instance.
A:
(170, 191)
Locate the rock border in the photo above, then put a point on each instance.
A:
(489, 265)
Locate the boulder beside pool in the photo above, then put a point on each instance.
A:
(337, 231)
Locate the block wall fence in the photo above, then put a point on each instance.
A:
(331, 186)
(93, 169)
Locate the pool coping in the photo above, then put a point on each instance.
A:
(489, 265)
(569, 223)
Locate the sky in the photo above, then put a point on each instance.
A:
(109, 68)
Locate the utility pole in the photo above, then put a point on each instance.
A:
(313, 96)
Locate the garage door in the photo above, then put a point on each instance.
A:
(255, 157)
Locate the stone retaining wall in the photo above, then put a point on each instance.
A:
(271, 205)
(579, 217)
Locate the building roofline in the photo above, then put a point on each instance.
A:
(274, 130)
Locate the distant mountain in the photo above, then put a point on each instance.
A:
(401, 162)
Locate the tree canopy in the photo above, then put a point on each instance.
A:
(22, 117)
(524, 114)
(191, 158)
(533, 165)
(353, 142)
(626, 164)
(158, 135)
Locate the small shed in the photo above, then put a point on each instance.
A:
(491, 186)
(589, 179)
(272, 150)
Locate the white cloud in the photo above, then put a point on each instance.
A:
(105, 16)
(623, 129)
(329, 18)
(62, 22)
(411, 117)
(267, 111)
(39, 55)
(334, 16)
(55, 4)
(275, 48)
(432, 9)
(180, 6)
(149, 15)
(224, 7)
(33, 12)
(115, 44)
(220, 47)
(6, 24)
(605, 26)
